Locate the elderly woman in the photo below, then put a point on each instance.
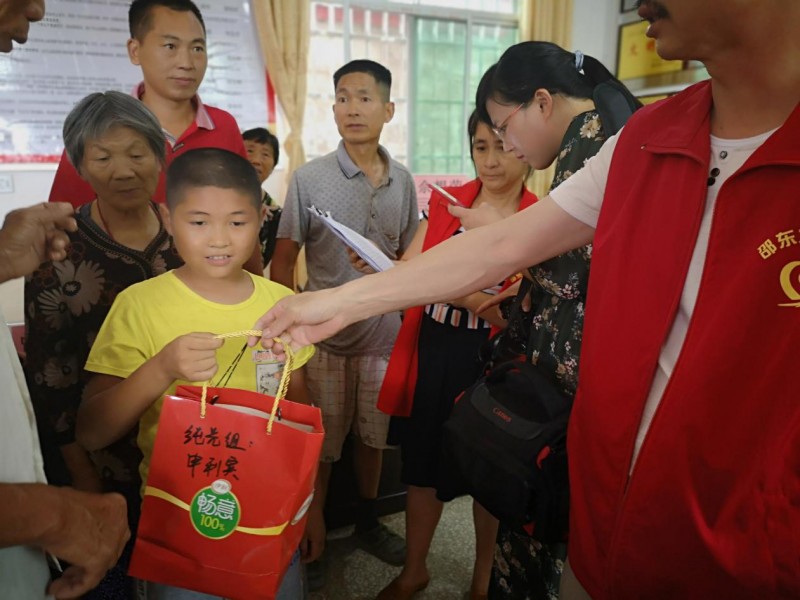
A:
(117, 146)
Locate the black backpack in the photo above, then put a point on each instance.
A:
(615, 105)
(505, 445)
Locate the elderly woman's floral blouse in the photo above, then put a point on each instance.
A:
(525, 569)
(66, 302)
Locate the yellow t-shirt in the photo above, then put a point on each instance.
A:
(148, 315)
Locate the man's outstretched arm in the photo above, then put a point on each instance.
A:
(463, 264)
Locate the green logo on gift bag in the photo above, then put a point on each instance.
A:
(215, 510)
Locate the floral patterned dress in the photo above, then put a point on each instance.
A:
(525, 569)
(66, 302)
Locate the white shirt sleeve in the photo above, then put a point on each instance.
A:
(582, 194)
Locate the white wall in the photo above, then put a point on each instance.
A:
(595, 24)
(30, 184)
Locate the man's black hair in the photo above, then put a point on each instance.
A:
(140, 14)
(381, 75)
(211, 167)
(261, 135)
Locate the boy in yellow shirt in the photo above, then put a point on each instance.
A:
(150, 342)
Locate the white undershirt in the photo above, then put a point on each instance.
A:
(582, 196)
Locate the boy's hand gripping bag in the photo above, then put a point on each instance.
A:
(225, 502)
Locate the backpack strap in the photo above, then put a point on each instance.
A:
(614, 104)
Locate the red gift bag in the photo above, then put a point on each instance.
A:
(225, 502)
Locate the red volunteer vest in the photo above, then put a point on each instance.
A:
(397, 391)
(712, 508)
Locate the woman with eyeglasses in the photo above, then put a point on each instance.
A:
(548, 105)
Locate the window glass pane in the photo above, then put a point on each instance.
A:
(440, 56)
(326, 54)
(374, 34)
(488, 43)
(506, 7)
(384, 40)
(428, 131)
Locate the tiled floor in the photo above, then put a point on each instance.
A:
(356, 575)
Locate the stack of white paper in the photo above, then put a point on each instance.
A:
(357, 242)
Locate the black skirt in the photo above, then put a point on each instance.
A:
(448, 364)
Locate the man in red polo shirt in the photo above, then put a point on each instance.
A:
(168, 41)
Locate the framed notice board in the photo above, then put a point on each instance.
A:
(636, 54)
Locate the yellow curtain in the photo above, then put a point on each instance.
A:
(283, 29)
(546, 21)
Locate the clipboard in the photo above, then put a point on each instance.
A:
(355, 241)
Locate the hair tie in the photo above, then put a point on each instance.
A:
(578, 60)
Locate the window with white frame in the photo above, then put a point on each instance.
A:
(437, 52)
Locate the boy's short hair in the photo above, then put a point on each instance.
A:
(211, 167)
(140, 14)
(381, 75)
(261, 135)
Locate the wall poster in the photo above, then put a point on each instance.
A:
(636, 54)
(80, 47)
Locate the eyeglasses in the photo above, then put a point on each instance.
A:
(500, 130)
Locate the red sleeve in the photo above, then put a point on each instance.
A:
(68, 185)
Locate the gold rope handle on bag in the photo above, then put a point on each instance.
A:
(283, 386)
